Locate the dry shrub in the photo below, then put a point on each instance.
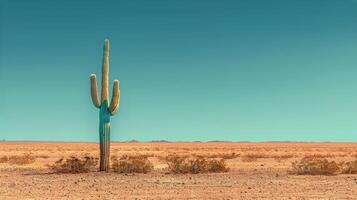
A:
(4, 159)
(350, 167)
(18, 159)
(315, 166)
(74, 165)
(180, 164)
(251, 157)
(184, 164)
(132, 164)
(216, 166)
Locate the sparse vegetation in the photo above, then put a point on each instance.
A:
(131, 164)
(74, 165)
(253, 179)
(4, 159)
(184, 164)
(42, 156)
(225, 156)
(18, 159)
(252, 157)
(350, 167)
(315, 166)
(319, 156)
(280, 158)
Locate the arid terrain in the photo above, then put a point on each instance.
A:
(257, 171)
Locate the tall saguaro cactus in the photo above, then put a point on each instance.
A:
(106, 110)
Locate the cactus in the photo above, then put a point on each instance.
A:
(106, 110)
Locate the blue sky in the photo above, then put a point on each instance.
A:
(189, 70)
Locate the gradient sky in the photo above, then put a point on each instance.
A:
(189, 70)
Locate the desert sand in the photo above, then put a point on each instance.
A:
(257, 171)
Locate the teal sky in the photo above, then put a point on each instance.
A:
(189, 70)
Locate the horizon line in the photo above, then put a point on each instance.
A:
(170, 141)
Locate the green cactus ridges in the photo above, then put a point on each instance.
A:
(106, 110)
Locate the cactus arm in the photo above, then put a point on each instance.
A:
(94, 91)
(105, 71)
(114, 104)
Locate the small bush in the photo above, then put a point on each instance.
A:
(315, 166)
(183, 164)
(74, 165)
(216, 166)
(177, 164)
(350, 167)
(132, 164)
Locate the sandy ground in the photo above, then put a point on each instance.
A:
(264, 178)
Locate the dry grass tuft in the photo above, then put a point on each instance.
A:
(132, 164)
(183, 164)
(319, 156)
(18, 159)
(315, 166)
(225, 156)
(43, 156)
(75, 165)
(350, 167)
(252, 157)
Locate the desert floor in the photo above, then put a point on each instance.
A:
(257, 171)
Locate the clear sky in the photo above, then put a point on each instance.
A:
(189, 70)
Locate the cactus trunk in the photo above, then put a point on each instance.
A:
(106, 110)
(104, 136)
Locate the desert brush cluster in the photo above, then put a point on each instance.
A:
(183, 158)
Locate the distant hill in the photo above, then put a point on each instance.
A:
(160, 141)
